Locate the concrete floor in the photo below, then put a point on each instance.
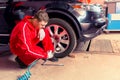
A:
(85, 66)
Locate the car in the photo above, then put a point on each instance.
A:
(71, 21)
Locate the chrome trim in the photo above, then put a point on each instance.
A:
(2, 7)
(4, 34)
(3, 44)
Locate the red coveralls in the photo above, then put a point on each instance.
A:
(23, 42)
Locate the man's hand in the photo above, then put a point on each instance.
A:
(50, 54)
(41, 34)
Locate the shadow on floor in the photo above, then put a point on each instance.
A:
(6, 64)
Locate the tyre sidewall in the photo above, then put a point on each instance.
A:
(71, 34)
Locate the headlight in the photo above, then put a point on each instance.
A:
(96, 8)
(82, 13)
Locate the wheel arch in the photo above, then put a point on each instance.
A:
(67, 17)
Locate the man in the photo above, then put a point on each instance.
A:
(25, 37)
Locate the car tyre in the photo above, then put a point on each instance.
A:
(63, 37)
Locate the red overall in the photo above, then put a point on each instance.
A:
(23, 42)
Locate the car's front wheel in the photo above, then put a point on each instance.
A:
(63, 37)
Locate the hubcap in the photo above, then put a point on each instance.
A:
(60, 37)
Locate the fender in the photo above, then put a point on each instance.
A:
(76, 26)
(65, 10)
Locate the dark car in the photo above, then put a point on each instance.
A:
(71, 21)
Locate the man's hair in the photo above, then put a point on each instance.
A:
(42, 15)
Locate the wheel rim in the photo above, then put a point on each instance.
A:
(60, 37)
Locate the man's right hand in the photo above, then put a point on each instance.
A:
(50, 54)
(41, 34)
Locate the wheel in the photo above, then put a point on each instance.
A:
(63, 37)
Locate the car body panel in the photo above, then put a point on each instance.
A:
(83, 25)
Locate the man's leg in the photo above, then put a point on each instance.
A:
(27, 58)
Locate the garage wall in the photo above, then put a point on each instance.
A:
(97, 1)
(93, 1)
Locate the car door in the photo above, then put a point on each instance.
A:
(4, 36)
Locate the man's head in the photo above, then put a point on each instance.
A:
(41, 19)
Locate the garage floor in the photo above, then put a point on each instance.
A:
(102, 62)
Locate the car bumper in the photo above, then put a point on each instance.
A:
(98, 32)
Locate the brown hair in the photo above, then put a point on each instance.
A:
(42, 15)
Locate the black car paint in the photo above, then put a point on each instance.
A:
(59, 7)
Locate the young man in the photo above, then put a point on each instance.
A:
(25, 37)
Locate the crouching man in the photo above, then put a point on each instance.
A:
(25, 37)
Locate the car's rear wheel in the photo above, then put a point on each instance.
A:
(63, 37)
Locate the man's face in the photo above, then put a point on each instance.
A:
(40, 24)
